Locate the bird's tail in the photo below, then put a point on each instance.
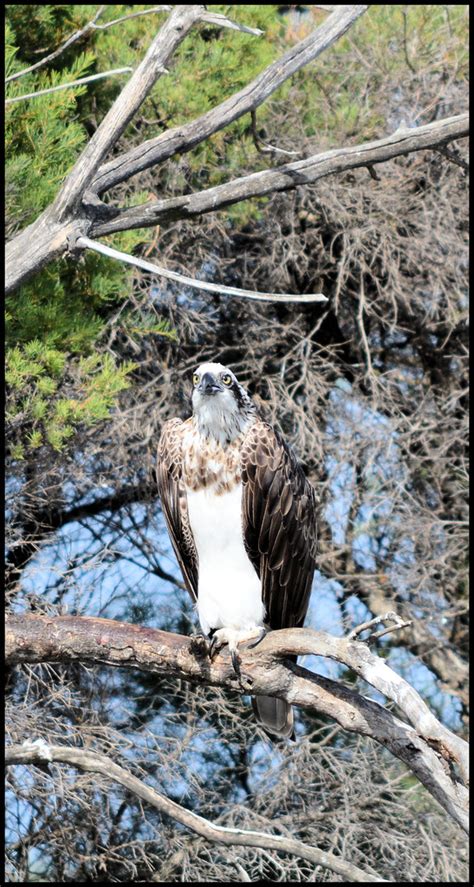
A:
(275, 716)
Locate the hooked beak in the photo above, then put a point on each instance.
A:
(209, 385)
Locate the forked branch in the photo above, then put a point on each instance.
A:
(435, 755)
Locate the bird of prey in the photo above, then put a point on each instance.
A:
(242, 520)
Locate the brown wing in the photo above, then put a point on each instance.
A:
(279, 523)
(174, 502)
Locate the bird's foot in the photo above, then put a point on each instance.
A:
(232, 638)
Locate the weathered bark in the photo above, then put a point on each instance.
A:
(78, 210)
(77, 204)
(291, 175)
(182, 139)
(430, 750)
(55, 230)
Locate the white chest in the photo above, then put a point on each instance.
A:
(229, 591)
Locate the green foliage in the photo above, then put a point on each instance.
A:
(388, 39)
(47, 403)
(54, 321)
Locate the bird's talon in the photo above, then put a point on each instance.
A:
(213, 647)
(235, 662)
(260, 638)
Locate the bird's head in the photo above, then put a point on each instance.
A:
(222, 406)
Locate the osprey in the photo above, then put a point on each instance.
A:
(242, 520)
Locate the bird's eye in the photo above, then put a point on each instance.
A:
(227, 380)
(195, 379)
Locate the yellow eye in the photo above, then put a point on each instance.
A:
(195, 379)
(226, 379)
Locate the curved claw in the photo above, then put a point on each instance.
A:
(260, 638)
(235, 659)
(214, 646)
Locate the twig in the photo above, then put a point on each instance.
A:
(34, 95)
(83, 242)
(454, 157)
(215, 18)
(70, 40)
(87, 760)
(391, 616)
(373, 173)
(124, 18)
(397, 627)
(360, 324)
(405, 46)
(264, 147)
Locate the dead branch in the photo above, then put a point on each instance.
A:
(80, 82)
(77, 35)
(39, 752)
(183, 138)
(50, 232)
(163, 46)
(198, 284)
(427, 748)
(288, 176)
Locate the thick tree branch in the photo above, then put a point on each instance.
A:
(70, 215)
(290, 175)
(163, 46)
(39, 752)
(428, 749)
(184, 138)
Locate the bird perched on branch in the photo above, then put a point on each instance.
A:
(242, 520)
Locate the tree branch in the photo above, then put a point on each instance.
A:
(163, 46)
(80, 82)
(53, 55)
(218, 288)
(39, 752)
(427, 748)
(181, 139)
(49, 236)
(288, 176)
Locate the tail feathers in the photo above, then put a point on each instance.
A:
(274, 715)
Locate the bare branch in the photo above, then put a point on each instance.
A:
(33, 95)
(53, 55)
(197, 284)
(425, 749)
(454, 157)
(391, 616)
(288, 176)
(183, 138)
(263, 148)
(215, 18)
(125, 18)
(38, 752)
(135, 91)
(50, 235)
